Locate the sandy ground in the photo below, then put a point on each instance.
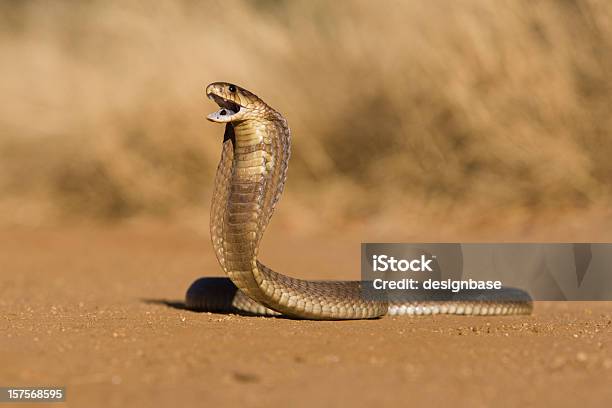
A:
(98, 310)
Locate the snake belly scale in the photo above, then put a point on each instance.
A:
(248, 184)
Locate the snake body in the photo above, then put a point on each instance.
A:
(248, 184)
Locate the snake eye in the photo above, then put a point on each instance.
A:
(232, 88)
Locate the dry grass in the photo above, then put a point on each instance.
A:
(395, 106)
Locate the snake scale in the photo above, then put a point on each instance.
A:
(248, 184)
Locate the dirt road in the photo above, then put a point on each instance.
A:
(98, 310)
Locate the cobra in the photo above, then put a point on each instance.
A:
(248, 184)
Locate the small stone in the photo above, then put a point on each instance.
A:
(245, 377)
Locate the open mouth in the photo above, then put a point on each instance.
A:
(227, 111)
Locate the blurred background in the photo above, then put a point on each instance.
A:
(405, 114)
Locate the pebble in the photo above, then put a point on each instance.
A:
(245, 377)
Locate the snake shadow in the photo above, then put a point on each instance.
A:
(181, 305)
(219, 293)
(173, 304)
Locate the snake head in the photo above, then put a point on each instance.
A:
(236, 103)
